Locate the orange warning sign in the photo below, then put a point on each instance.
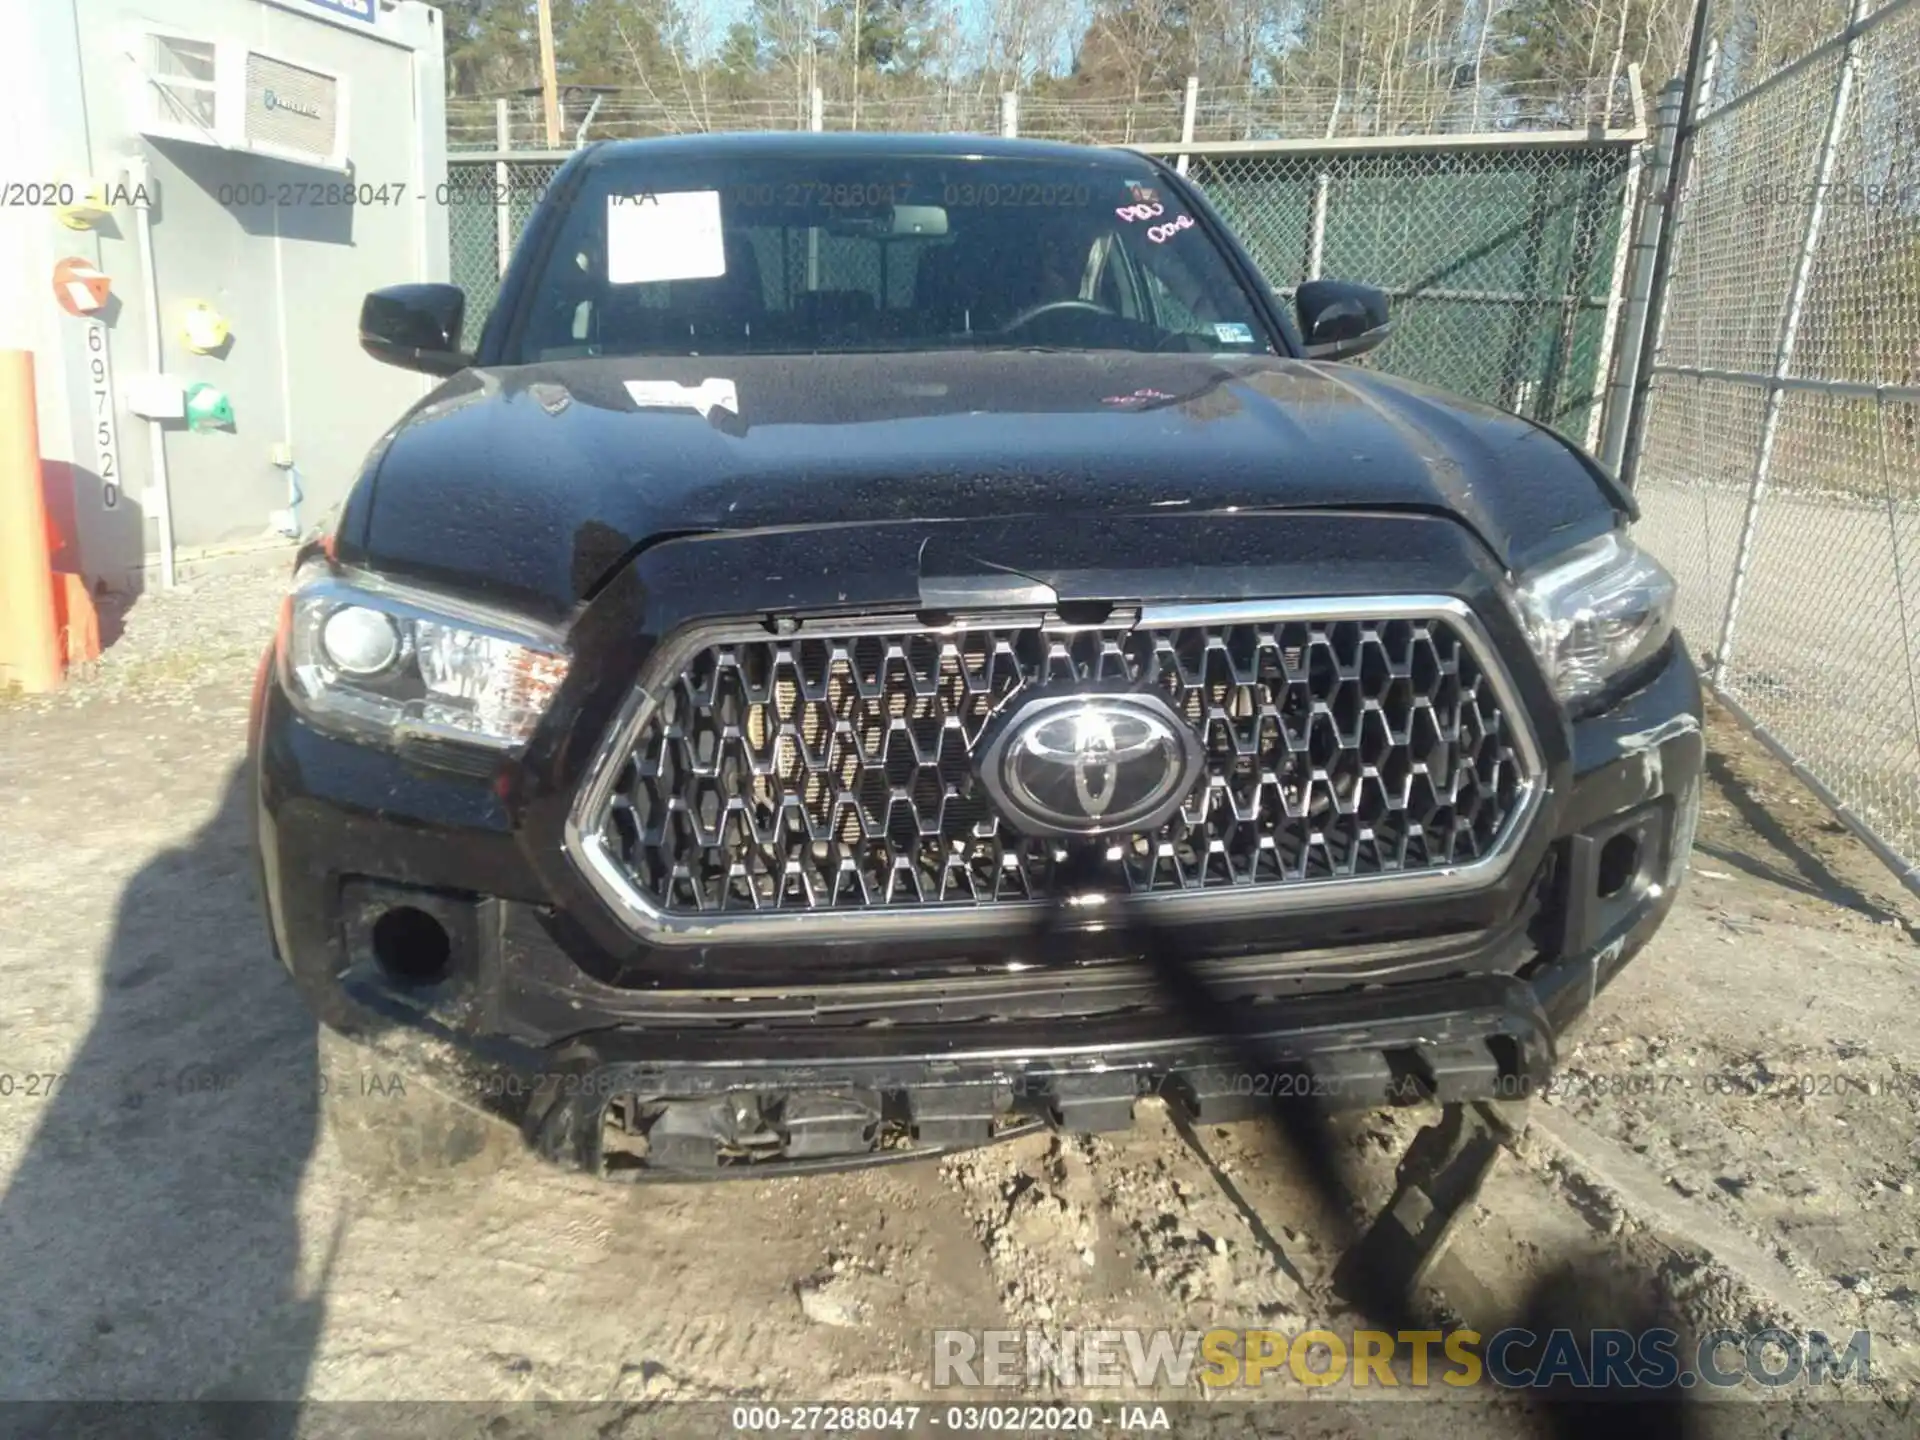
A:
(80, 287)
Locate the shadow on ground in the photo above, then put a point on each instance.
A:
(149, 1243)
(1780, 858)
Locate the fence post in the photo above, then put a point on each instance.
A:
(593, 110)
(816, 122)
(1626, 240)
(1702, 103)
(1317, 236)
(1790, 335)
(1186, 120)
(1707, 70)
(1691, 112)
(1646, 249)
(1322, 192)
(1010, 113)
(502, 180)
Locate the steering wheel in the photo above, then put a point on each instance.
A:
(1053, 307)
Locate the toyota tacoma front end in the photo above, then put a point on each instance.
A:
(867, 601)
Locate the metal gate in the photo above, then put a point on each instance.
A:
(1779, 461)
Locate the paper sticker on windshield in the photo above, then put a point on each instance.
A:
(1233, 333)
(706, 397)
(674, 235)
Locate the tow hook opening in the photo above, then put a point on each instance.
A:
(1612, 868)
(1619, 863)
(412, 947)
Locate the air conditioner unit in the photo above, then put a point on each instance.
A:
(227, 94)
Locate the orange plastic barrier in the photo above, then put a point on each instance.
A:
(74, 612)
(77, 618)
(29, 629)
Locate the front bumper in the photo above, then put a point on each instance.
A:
(418, 910)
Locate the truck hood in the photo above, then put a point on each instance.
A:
(535, 482)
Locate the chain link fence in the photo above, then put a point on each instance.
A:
(1779, 464)
(688, 102)
(488, 205)
(1502, 260)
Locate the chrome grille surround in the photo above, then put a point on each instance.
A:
(819, 784)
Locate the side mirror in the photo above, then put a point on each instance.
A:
(1339, 320)
(416, 327)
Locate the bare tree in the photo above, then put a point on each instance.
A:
(676, 75)
(1024, 38)
(1299, 67)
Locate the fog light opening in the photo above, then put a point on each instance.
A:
(1619, 863)
(412, 947)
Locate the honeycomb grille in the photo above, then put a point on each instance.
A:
(836, 772)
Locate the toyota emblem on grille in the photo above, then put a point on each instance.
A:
(1090, 764)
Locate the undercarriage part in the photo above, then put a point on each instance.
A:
(1216, 1095)
(957, 1115)
(1455, 1073)
(687, 1135)
(795, 1132)
(639, 1120)
(1347, 1079)
(741, 1127)
(830, 1124)
(1438, 1178)
(1090, 1104)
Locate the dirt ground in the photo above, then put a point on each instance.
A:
(1737, 1123)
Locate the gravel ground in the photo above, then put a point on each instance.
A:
(160, 1238)
(1767, 1068)
(180, 647)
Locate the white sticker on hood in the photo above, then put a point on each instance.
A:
(671, 236)
(706, 397)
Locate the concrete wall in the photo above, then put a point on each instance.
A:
(288, 274)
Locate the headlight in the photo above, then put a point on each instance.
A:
(1596, 611)
(368, 657)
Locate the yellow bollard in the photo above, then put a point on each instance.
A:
(29, 638)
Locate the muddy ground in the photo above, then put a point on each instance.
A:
(1736, 1129)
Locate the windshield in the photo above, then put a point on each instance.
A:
(756, 256)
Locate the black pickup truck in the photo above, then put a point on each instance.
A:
(752, 713)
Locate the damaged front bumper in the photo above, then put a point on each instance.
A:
(629, 1103)
(824, 1072)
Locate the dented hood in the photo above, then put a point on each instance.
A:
(537, 481)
